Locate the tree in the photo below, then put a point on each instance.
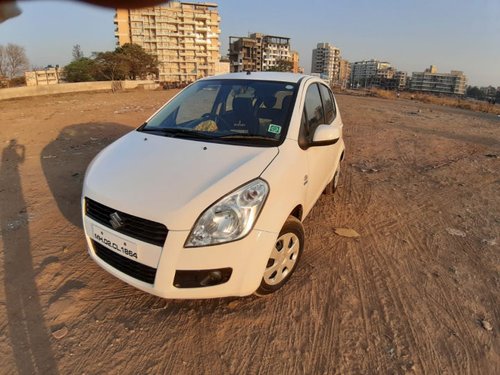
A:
(475, 92)
(110, 66)
(281, 66)
(17, 81)
(13, 60)
(129, 61)
(3, 62)
(77, 52)
(81, 70)
(140, 63)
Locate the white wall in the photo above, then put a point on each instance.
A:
(19, 92)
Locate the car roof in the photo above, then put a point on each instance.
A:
(262, 76)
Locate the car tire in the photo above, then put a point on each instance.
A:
(284, 258)
(331, 188)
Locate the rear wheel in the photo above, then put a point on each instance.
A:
(284, 258)
(333, 184)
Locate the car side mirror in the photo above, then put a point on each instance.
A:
(326, 135)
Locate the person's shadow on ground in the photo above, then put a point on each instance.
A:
(28, 333)
(65, 160)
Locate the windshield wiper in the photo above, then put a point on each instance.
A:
(250, 137)
(176, 132)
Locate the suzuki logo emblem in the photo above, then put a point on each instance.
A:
(115, 220)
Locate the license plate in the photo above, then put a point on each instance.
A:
(115, 243)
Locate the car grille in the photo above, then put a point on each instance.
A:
(134, 269)
(133, 226)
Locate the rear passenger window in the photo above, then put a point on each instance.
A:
(328, 104)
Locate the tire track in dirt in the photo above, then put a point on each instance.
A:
(373, 357)
(390, 225)
(326, 293)
(461, 325)
(407, 342)
(396, 319)
(443, 315)
(453, 311)
(350, 204)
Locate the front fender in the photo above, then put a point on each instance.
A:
(286, 178)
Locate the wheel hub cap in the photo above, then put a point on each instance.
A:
(283, 258)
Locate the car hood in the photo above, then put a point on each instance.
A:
(170, 180)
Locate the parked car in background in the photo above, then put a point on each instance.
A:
(207, 198)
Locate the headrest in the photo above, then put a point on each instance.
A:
(286, 102)
(270, 101)
(242, 104)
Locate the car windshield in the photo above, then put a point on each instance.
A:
(232, 111)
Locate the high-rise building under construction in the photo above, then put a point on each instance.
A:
(259, 52)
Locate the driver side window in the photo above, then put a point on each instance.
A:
(313, 115)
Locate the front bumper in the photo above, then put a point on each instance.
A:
(247, 258)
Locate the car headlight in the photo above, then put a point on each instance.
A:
(231, 217)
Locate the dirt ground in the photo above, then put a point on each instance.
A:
(418, 292)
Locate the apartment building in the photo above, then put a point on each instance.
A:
(258, 52)
(222, 67)
(184, 36)
(344, 73)
(431, 81)
(364, 73)
(245, 54)
(295, 62)
(369, 73)
(401, 79)
(489, 91)
(326, 62)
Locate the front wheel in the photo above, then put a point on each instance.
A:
(284, 257)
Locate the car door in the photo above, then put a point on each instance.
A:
(332, 118)
(321, 160)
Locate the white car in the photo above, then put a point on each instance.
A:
(206, 199)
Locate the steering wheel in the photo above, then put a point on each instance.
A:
(221, 123)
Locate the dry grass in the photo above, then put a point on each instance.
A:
(432, 99)
(385, 94)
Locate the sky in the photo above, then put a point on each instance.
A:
(410, 34)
